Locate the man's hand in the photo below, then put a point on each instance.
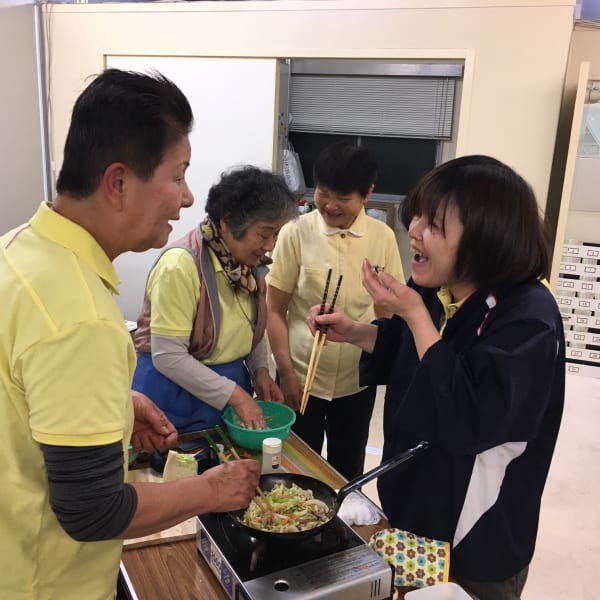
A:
(151, 428)
(233, 484)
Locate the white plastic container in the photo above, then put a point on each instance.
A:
(271, 455)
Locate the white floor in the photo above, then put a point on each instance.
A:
(568, 545)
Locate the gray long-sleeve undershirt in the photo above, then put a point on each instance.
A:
(87, 490)
(171, 357)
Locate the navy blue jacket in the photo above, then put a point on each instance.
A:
(488, 397)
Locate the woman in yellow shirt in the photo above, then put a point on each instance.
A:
(200, 336)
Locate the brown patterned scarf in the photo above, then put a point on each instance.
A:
(240, 275)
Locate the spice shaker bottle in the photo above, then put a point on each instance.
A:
(271, 455)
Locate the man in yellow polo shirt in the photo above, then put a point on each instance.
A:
(338, 235)
(67, 413)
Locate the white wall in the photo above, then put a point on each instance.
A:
(515, 54)
(21, 164)
(586, 187)
(233, 103)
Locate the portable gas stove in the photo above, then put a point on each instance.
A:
(334, 563)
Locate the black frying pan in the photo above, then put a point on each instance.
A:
(322, 492)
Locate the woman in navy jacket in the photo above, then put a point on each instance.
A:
(473, 360)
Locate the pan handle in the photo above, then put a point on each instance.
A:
(384, 467)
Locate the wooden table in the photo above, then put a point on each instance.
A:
(176, 569)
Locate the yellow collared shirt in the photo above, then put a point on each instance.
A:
(305, 250)
(174, 289)
(66, 364)
(450, 307)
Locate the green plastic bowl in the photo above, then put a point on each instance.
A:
(278, 417)
(132, 455)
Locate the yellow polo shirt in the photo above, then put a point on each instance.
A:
(450, 308)
(306, 248)
(174, 289)
(66, 363)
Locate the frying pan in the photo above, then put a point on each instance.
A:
(322, 492)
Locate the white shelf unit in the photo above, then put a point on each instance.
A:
(578, 298)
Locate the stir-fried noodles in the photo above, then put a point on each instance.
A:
(293, 509)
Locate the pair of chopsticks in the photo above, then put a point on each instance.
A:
(318, 342)
(236, 456)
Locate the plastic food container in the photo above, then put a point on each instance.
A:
(271, 455)
(278, 417)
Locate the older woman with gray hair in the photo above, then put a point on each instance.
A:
(200, 336)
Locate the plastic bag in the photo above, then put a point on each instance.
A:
(358, 510)
(292, 171)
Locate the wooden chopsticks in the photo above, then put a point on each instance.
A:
(319, 342)
(214, 446)
(227, 442)
(236, 456)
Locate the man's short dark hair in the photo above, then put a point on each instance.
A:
(122, 116)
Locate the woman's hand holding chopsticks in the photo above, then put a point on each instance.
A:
(336, 327)
(319, 341)
(341, 328)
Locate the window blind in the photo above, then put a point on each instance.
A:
(407, 107)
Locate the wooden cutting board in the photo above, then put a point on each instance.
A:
(183, 531)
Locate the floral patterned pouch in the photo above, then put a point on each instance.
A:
(418, 561)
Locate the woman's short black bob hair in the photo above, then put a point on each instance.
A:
(504, 241)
